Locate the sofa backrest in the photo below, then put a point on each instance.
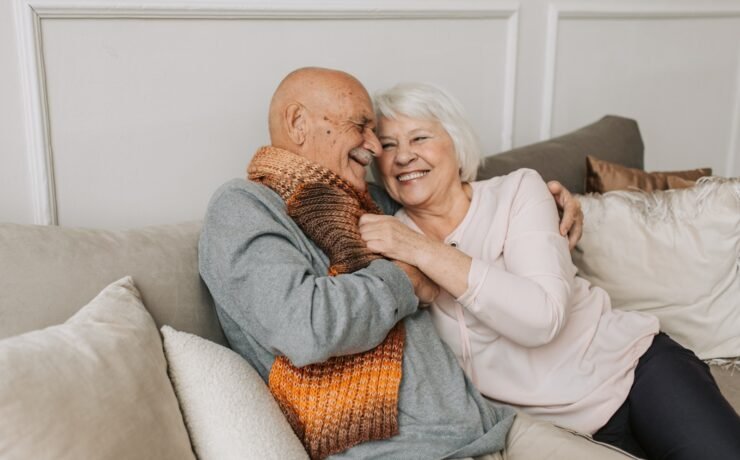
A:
(47, 273)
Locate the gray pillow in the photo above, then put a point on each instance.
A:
(615, 139)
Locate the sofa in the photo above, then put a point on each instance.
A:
(48, 273)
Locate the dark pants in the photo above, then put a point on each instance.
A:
(674, 410)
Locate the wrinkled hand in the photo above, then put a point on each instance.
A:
(424, 288)
(571, 222)
(388, 236)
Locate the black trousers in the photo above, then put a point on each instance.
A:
(674, 410)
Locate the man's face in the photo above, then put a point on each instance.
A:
(341, 136)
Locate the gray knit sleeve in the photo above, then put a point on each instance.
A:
(272, 281)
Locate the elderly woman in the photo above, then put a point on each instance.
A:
(526, 329)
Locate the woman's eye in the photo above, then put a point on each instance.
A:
(387, 146)
(420, 138)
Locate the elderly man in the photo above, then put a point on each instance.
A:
(339, 334)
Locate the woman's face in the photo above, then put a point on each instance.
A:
(418, 163)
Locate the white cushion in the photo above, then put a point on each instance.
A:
(93, 387)
(228, 409)
(675, 254)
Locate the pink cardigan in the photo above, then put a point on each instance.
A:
(528, 331)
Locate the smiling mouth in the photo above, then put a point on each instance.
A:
(411, 176)
(362, 156)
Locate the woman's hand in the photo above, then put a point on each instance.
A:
(443, 264)
(571, 222)
(386, 235)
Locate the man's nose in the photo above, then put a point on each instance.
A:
(372, 143)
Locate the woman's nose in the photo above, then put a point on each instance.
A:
(405, 155)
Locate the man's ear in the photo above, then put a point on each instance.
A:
(296, 123)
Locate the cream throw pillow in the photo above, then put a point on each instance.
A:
(228, 409)
(93, 387)
(675, 254)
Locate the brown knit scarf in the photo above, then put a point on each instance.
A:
(346, 400)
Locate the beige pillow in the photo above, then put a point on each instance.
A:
(603, 176)
(93, 387)
(228, 409)
(672, 253)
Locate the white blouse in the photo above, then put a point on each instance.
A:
(528, 331)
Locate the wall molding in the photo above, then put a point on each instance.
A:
(733, 153)
(631, 9)
(281, 9)
(30, 14)
(38, 139)
(509, 106)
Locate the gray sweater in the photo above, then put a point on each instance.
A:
(273, 297)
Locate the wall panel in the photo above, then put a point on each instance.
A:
(147, 116)
(15, 188)
(131, 113)
(675, 70)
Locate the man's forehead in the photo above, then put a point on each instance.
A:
(353, 105)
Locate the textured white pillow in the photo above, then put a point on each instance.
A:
(93, 387)
(228, 409)
(675, 254)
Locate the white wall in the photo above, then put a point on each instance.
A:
(137, 113)
(674, 69)
(15, 188)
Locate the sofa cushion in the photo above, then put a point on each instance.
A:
(93, 387)
(672, 253)
(728, 380)
(228, 410)
(563, 158)
(51, 271)
(605, 176)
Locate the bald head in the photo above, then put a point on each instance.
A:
(326, 116)
(314, 87)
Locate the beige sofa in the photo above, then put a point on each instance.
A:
(48, 273)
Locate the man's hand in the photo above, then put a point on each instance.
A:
(571, 222)
(424, 288)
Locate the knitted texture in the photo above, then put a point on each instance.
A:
(346, 400)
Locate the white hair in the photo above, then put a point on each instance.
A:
(428, 102)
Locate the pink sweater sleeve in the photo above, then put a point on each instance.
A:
(526, 300)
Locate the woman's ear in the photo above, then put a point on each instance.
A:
(296, 123)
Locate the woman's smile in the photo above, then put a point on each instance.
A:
(405, 177)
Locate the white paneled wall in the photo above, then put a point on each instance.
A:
(673, 67)
(132, 112)
(15, 188)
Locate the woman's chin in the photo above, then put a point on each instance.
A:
(410, 200)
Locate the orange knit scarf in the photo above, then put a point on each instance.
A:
(346, 400)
